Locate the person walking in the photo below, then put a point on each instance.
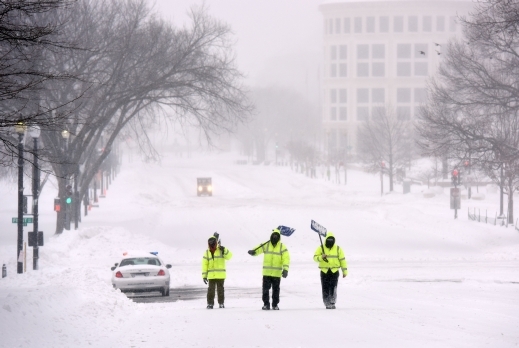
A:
(330, 258)
(276, 262)
(213, 271)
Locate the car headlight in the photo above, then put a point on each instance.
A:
(209, 188)
(199, 188)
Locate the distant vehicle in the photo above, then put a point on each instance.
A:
(204, 186)
(141, 272)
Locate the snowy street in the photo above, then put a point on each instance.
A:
(417, 277)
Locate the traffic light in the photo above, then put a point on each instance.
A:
(57, 204)
(455, 177)
(69, 195)
(68, 206)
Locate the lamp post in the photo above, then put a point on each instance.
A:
(65, 134)
(20, 129)
(34, 132)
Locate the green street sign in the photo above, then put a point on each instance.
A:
(25, 221)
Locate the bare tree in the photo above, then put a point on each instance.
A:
(386, 138)
(473, 105)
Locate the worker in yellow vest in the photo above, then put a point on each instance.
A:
(331, 259)
(213, 271)
(275, 265)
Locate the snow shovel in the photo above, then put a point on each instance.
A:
(321, 231)
(283, 230)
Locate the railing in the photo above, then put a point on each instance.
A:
(501, 221)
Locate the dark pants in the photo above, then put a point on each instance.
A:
(267, 283)
(329, 282)
(215, 284)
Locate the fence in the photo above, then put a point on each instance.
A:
(501, 221)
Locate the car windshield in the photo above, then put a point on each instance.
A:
(140, 261)
(204, 181)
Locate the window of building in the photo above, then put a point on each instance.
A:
(378, 113)
(333, 96)
(403, 112)
(384, 24)
(362, 69)
(330, 26)
(343, 52)
(421, 51)
(378, 51)
(420, 68)
(378, 95)
(343, 113)
(362, 51)
(346, 25)
(378, 69)
(398, 24)
(343, 96)
(343, 70)
(333, 70)
(333, 52)
(427, 24)
(403, 69)
(420, 95)
(440, 23)
(358, 24)
(452, 23)
(362, 95)
(337, 25)
(370, 24)
(403, 51)
(333, 113)
(403, 95)
(413, 24)
(363, 113)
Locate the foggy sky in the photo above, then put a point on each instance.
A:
(278, 41)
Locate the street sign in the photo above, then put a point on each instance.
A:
(455, 198)
(25, 221)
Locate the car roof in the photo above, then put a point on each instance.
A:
(133, 254)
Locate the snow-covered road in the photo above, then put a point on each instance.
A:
(416, 276)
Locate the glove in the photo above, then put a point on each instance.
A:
(285, 273)
(323, 256)
(205, 280)
(252, 252)
(344, 275)
(222, 249)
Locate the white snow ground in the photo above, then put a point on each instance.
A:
(417, 277)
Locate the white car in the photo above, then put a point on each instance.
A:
(140, 272)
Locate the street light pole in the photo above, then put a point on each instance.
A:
(35, 134)
(20, 129)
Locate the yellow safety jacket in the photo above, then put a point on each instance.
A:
(276, 259)
(335, 256)
(213, 266)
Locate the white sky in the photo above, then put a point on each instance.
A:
(278, 42)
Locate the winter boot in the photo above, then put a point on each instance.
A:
(209, 306)
(333, 306)
(221, 305)
(266, 307)
(276, 308)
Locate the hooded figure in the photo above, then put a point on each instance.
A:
(330, 258)
(213, 270)
(275, 265)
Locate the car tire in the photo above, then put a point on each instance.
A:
(165, 292)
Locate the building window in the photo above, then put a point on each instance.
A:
(330, 26)
(378, 69)
(378, 51)
(333, 113)
(333, 96)
(452, 23)
(363, 113)
(403, 69)
(440, 23)
(413, 24)
(358, 24)
(362, 51)
(427, 24)
(343, 113)
(362, 69)
(343, 52)
(346, 25)
(403, 95)
(421, 51)
(420, 95)
(403, 112)
(343, 96)
(378, 95)
(337, 25)
(398, 24)
(343, 70)
(378, 112)
(420, 68)
(403, 51)
(370, 24)
(384, 24)
(333, 52)
(363, 95)
(333, 70)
